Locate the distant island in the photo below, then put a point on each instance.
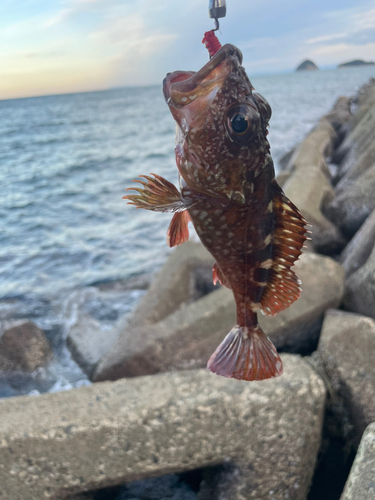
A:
(307, 66)
(356, 62)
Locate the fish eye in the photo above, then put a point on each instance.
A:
(239, 123)
(242, 120)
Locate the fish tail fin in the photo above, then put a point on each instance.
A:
(246, 353)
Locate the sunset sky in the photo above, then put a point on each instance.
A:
(61, 46)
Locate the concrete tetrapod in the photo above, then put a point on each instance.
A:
(361, 481)
(55, 445)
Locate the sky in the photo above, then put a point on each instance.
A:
(62, 46)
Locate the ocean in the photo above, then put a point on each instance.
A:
(69, 245)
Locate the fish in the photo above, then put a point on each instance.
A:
(227, 189)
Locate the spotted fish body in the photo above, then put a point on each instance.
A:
(229, 192)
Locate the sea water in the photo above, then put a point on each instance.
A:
(68, 243)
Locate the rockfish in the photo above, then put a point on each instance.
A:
(229, 192)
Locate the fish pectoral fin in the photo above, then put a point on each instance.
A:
(158, 195)
(246, 353)
(283, 286)
(178, 231)
(218, 276)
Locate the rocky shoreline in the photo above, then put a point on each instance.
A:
(157, 412)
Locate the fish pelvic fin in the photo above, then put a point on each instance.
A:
(178, 231)
(246, 353)
(283, 286)
(218, 276)
(157, 194)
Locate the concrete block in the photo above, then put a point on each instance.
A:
(56, 445)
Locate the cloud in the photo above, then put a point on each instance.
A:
(342, 52)
(325, 38)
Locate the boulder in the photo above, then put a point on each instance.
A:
(361, 481)
(267, 433)
(89, 340)
(352, 206)
(346, 347)
(359, 293)
(360, 246)
(23, 346)
(187, 338)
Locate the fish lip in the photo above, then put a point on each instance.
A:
(192, 80)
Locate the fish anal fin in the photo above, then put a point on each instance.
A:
(157, 194)
(178, 231)
(283, 286)
(218, 276)
(246, 353)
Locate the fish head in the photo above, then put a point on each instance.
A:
(221, 125)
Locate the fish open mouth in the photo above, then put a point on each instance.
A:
(182, 88)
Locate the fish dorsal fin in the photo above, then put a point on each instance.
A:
(218, 276)
(178, 231)
(283, 286)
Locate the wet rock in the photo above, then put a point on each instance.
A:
(310, 189)
(361, 481)
(346, 347)
(350, 209)
(360, 289)
(360, 246)
(89, 340)
(187, 338)
(268, 432)
(24, 347)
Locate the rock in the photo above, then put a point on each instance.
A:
(309, 189)
(346, 347)
(360, 246)
(89, 341)
(307, 66)
(361, 481)
(268, 433)
(360, 289)
(23, 347)
(350, 209)
(187, 338)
